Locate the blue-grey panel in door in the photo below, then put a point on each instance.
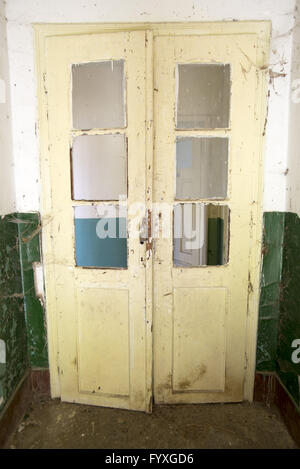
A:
(93, 250)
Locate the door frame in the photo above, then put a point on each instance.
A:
(262, 31)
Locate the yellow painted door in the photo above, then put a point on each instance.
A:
(95, 90)
(206, 173)
(168, 121)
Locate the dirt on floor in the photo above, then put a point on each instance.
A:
(54, 424)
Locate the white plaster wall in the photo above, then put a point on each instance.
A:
(7, 192)
(293, 174)
(22, 13)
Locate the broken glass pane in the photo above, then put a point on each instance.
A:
(201, 235)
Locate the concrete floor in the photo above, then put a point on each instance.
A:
(53, 424)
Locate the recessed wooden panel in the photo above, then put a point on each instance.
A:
(199, 339)
(103, 341)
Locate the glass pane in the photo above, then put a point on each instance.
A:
(100, 236)
(201, 235)
(201, 167)
(203, 96)
(99, 167)
(98, 95)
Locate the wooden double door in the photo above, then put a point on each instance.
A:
(151, 161)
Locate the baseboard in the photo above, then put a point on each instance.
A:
(35, 384)
(40, 382)
(269, 389)
(265, 388)
(289, 412)
(14, 410)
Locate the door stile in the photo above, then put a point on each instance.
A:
(148, 214)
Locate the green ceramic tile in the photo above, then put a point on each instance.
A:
(267, 345)
(289, 326)
(29, 233)
(12, 318)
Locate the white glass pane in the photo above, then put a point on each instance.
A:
(201, 167)
(201, 235)
(203, 96)
(99, 167)
(98, 95)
